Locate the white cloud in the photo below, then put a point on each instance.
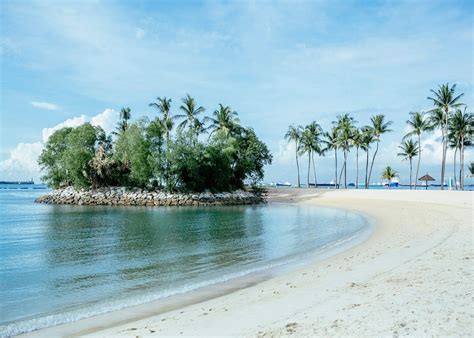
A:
(107, 120)
(45, 105)
(22, 162)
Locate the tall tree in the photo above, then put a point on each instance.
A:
(311, 144)
(418, 124)
(345, 127)
(190, 117)
(445, 100)
(163, 105)
(379, 127)
(332, 143)
(357, 142)
(224, 121)
(461, 130)
(408, 150)
(294, 135)
(367, 140)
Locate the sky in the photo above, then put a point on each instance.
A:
(276, 63)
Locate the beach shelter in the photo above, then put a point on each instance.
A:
(426, 178)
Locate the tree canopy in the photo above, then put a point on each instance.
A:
(144, 154)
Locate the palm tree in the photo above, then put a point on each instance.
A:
(345, 126)
(225, 121)
(461, 130)
(357, 142)
(332, 143)
(294, 134)
(418, 124)
(164, 106)
(125, 115)
(379, 127)
(311, 144)
(445, 100)
(389, 174)
(189, 117)
(453, 143)
(409, 149)
(367, 140)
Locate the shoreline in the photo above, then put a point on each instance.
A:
(289, 303)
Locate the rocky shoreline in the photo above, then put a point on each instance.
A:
(140, 197)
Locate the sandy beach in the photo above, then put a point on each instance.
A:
(413, 276)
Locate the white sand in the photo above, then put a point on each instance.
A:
(413, 276)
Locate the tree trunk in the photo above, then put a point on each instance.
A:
(297, 165)
(462, 164)
(357, 167)
(335, 172)
(340, 175)
(373, 159)
(367, 169)
(345, 169)
(419, 159)
(411, 178)
(314, 172)
(445, 149)
(455, 180)
(309, 165)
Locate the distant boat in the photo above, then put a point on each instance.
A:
(17, 182)
(286, 184)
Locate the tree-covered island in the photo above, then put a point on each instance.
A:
(173, 153)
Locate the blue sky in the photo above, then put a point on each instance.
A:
(275, 63)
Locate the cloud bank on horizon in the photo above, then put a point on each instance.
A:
(275, 63)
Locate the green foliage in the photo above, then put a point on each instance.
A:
(133, 149)
(67, 154)
(145, 154)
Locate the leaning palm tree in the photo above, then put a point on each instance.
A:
(445, 100)
(418, 123)
(461, 130)
(409, 149)
(190, 116)
(294, 134)
(389, 174)
(345, 126)
(379, 127)
(311, 144)
(367, 140)
(225, 121)
(332, 143)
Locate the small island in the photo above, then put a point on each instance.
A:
(169, 160)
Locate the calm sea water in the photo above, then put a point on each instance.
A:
(62, 263)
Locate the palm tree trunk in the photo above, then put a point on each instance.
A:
(314, 172)
(357, 167)
(335, 172)
(462, 164)
(411, 178)
(309, 165)
(373, 159)
(342, 170)
(345, 169)
(443, 162)
(454, 166)
(297, 165)
(419, 159)
(366, 169)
